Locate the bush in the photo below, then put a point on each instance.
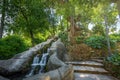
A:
(114, 58)
(64, 37)
(11, 45)
(112, 64)
(79, 39)
(115, 37)
(38, 40)
(98, 42)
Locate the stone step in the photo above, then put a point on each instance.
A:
(97, 60)
(87, 69)
(86, 76)
(86, 63)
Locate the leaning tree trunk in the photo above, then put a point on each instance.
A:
(72, 20)
(32, 37)
(107, 36)
(118, 6)
(2, 18)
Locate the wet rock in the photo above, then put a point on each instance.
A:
(62, 73)
(38, 77)
(2, 78)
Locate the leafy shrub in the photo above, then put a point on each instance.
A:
(115, 37)
(64, 37)
(114, 58)
(11, 45)
(79, 39)
(98, 42)
(38, 40)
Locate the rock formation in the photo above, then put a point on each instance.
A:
(58, 69)
(21, 61)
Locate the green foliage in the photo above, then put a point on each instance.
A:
(115, 37)
(98, 42)
(79, 39)
(64, 37)
(98, 29)
(38, 40)
(11, 45)
(31, 18)
(114, 58)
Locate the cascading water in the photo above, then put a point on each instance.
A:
(34, 65)
(41, 63)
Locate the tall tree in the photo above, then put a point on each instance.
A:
(109, 10)
(118, 6)
(31, 18)
(2, 17)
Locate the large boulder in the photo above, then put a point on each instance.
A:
(2, 78)
(59, 48)
(38, 77)
(58, 55)
(41, 45)
(54, 62)
(62, 73)
(19, 63)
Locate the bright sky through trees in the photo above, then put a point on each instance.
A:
(90, 26)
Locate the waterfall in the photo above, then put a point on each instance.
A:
(34, 65)
(37, 62)
(43, 62)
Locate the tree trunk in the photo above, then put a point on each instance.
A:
(61, 23)
(107, 36)
(2, 18)
(30, 30)
(72, 20)
(53, 27)
(118, 6)
(32, 37)
(72, 25)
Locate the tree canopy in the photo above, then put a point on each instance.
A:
(47, 17)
